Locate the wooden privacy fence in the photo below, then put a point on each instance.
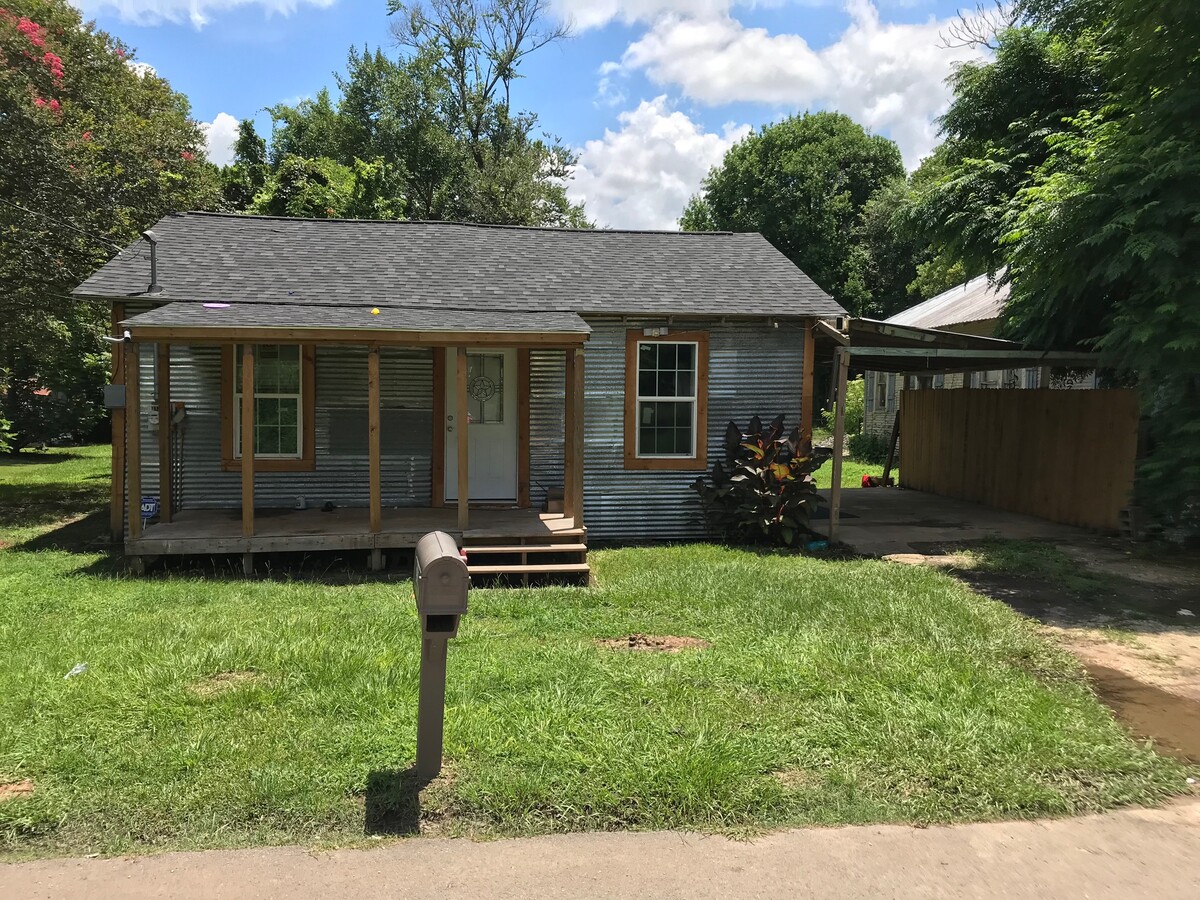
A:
(1066, 456)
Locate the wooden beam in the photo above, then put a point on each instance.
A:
(808, 363)
(891, 450)
(248, 440)
(133, 438)
(573, 488)
(569, 431)
(463, 420)
(116, 508)
(842, 358)
(374, 404)
(437, 464)
(162, 391)
(523, 442)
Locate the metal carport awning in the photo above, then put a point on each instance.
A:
(905, 349)
(871, 345)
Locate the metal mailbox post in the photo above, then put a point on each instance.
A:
(441, 583)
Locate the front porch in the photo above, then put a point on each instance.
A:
(499, 541)
(502, 527)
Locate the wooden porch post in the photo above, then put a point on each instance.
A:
(464, 423)
(133, 437)
(806, 390)
(116, 508)
(842, 358)
(248, 440)
(574, 452)
(373, 438)
(166, 502)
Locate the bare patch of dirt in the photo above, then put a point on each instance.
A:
(224, 682)
(795, 779)
(15, 790)
(655, 643)
(1172, 721)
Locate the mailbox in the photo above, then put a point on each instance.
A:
(440, 582)
(440, 579)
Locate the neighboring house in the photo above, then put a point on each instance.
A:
(972, 308)
(366, 344)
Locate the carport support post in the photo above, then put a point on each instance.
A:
(166, 502)
(431, 707)
(842, 362)
(247, 413)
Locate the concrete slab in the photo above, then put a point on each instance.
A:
(887, 521)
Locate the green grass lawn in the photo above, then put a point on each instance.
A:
(832, 692)
(852, 473)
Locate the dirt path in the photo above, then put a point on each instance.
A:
(1134, 853)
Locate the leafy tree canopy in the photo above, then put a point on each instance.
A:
(804, 183)
(430, 134)
(93, 151)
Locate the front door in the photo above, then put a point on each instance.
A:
(491, 422)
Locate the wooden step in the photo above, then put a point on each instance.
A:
(532, 569)
(529, 548)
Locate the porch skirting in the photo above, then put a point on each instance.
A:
(199, 532)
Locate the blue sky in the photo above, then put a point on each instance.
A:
(651, 92)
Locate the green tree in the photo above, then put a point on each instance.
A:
(804, 183)
(1104, 239)
(91, 152)
(247, 174)
(995, 132)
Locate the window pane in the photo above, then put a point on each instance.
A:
(686, 384)
(666, 356)
(485, 388)
(665, 428)
(289, 413)
(687, 356)
(666, 384)
(289, 441)
(648, 356)
(647, 383)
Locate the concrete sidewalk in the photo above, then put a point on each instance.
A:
(1134, 853)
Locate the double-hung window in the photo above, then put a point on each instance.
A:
(283, 407)
(666, 400)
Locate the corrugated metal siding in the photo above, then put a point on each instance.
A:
(547, 412)
(341, 473)
(754, 369)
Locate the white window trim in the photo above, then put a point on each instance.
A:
(639, 398)
(237, 407)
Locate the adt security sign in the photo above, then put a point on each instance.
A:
(149, 507)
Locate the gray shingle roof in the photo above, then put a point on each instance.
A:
(295, 315)
(976, 301)
(250, 259)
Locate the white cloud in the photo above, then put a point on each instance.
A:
(890, 77)
(220, 135)
(140, 69)
(642, 175)
(155, 12)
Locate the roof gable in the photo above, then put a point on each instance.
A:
(978, 300)
(204, 257)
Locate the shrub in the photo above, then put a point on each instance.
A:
(763, 491)
(868, 448)
(855, 405)
(6, 435)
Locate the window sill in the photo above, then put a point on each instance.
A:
(272, 465)
(682, 464)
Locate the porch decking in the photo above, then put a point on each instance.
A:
(198, 532)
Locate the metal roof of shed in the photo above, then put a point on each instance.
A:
(978, 300)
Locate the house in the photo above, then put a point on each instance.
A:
(974, 308)
(367, 346)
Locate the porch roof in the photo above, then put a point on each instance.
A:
(388, 324)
